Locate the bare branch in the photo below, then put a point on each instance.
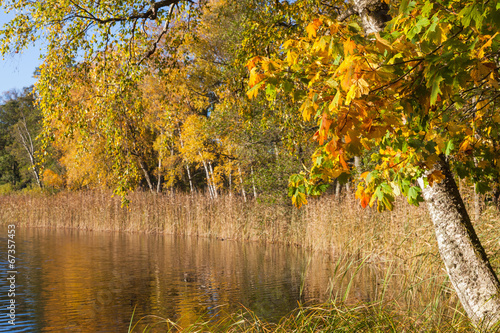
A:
(155, 44)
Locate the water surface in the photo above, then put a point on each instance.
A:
(75, 281)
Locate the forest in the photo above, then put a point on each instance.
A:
(277, 102)
(181, 121)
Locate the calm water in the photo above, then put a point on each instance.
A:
(73, 281)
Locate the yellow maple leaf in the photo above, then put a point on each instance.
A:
(349, 47)
(351, 94)
(255, 77)
(313, 27)
(485, 45)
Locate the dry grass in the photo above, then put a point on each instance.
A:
(407, 287)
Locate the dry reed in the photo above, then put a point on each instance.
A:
(408, 281)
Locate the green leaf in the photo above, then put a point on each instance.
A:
(413, 192)
(435, 90)
(354, 27)
(422, 23)
(449, 146)
(270, 92)
(482, 187)
(403, 7)
(426, 9)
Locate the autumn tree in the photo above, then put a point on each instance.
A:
(418, 81)
(19, 128)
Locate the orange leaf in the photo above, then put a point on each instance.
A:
(252, 62)
(342, 161)
(365, 199)
(466, 147)
(255, 77)
(435, 177)
(349, 47)
(325, 123)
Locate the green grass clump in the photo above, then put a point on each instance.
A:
(328, 317)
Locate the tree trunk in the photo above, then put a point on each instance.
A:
(338, 190)
(357, 163)
(253, 184)
(242, 187)
(158, 184)
(230, 184)
(207, 173)
(27, 143)
(465, 260)
(146, 175)
(212, 179)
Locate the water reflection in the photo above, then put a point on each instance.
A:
(92, 281)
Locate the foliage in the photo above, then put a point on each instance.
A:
(152, 95)
(19, 126)
(426, 86)
(157, 107)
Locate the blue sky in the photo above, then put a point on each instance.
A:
(16, 70)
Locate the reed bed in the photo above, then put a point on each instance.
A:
(388, 275)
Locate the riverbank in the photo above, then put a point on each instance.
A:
(411, 289)
(325, 224)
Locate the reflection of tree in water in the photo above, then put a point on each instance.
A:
(95, 280)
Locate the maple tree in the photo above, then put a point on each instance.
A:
(421, 97)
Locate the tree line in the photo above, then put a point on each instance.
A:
(180, 121)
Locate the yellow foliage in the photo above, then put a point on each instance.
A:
(52, 179)
(313, 27)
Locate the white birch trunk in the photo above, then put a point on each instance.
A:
(212, 179)
(189, 178)
(242, 187)
(146, 175)
(230, 184)
(465, 260)
(158, 184)
(27, 143)
(253, 183)
(207, 173)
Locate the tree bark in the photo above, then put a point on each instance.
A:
(253, 184)
(27, 143)
(158, 184)
(212, 179)
(146, 175)
(242, 187)
(338, 190)
(190, 179)
(230, 184)
(468, 267)
(207, 173)
(470, 272)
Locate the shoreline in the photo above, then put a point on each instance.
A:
(400, 244)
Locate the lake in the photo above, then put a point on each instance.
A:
(76, 281)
